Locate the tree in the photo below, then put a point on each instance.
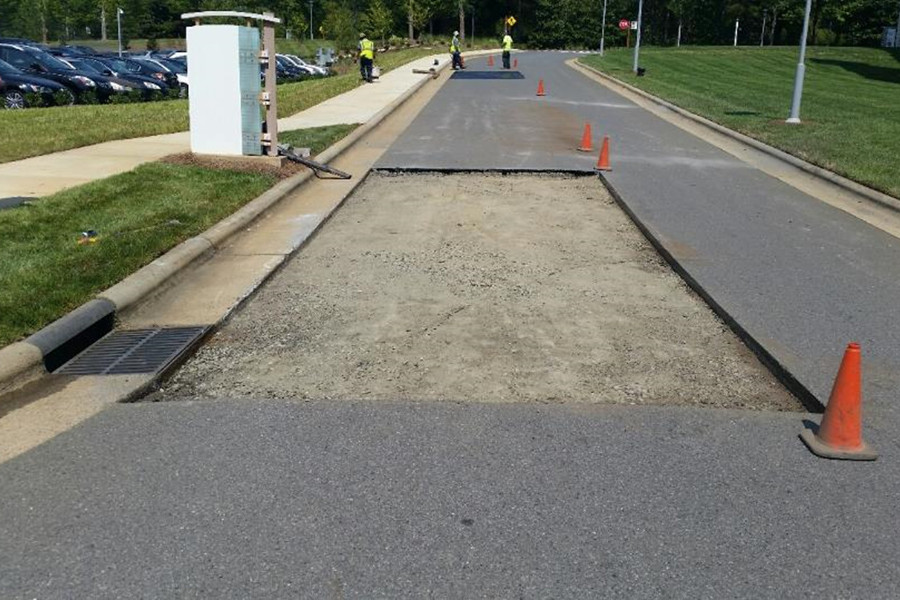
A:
(379, 20)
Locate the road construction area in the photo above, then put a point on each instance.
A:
(481, 377)
(480, 288)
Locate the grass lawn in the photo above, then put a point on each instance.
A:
(34, 132)
(850, 109)
(315, 138)
(139, 215)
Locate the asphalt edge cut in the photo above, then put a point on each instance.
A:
(842, 182)
(809, 401)
(25, 361)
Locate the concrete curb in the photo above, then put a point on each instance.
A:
(25, 361)
(851, 186)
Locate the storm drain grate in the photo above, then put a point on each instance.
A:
(133, 352)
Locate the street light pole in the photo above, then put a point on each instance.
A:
(310, 20)
(603, 29)
(119, 13)
(637, 40)
(762, 32)
(794, 118)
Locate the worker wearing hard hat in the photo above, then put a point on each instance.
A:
(366, 57)
(507, 49)
(455, 52)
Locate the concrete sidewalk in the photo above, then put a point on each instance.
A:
(44, 175)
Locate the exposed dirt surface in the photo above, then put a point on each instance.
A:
(525, 288)
(246, 165)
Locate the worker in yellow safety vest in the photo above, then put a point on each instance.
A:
(507, 49)
(366, 57)
(455, 52)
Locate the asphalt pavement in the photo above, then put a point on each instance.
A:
(440, 500)
(363, 500)
(802, 277)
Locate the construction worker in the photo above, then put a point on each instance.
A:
(507, 49)
(455, 50)
(366, 57)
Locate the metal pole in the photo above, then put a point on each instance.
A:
(603, 30)
(310, 20)
(801, 69)
(119, 12)
(762, 32)
(678, 43)
(737, 23)
(637, 39)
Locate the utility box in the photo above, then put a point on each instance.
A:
(225, 110)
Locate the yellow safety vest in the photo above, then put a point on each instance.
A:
(454, 45)
(367, 48)
(507, 43)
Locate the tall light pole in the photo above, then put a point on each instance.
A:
(119, 13)
(794, 118)
(603, 29)
(310, 20)
(762, 32)
(637, 40)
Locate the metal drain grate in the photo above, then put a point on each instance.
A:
(133, 352)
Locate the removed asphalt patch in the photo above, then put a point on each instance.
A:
(479, 288)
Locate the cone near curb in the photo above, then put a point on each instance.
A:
(840, 434)
(540, 90)
(586, 143)
(603, 160)
(491, 60)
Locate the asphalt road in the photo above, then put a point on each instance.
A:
(356, 500)
(371, 500)
(802, 277)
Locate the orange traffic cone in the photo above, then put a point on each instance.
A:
(540, 90)
(515, 63)
(603, 161)
(586, 144)
(840, 434)
(490, 61)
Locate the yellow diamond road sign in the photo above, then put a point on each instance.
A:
(511, 21)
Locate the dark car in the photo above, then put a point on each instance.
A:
(37, 62)
(122, 66)
(155, 69)
(20, 89)
(148, 88)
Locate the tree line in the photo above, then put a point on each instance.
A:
(539, 23)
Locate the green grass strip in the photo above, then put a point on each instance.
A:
(34, 132)
(850, 109)
(44, 272)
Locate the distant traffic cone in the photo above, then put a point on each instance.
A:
(603, 161)
(491, 61)
(515, 63)
(586, 144)
(840, 434)
(540, 90)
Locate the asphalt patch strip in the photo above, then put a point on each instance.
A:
(479, 288)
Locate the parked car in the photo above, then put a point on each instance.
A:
(37, 62)
(19, 88)
(148, 88)
(153, 69)
(127, 67)
(313, 69)
(176, 67)
(147, 84)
